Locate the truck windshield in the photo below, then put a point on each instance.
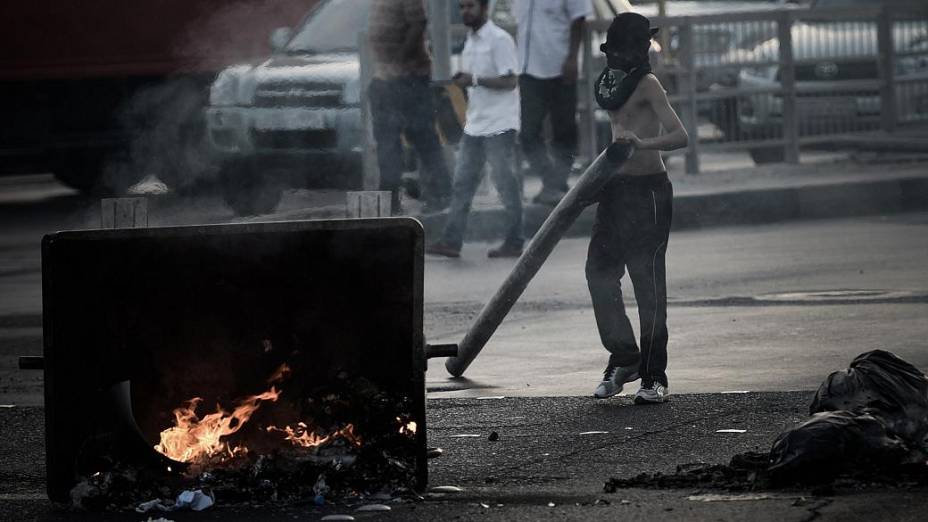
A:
(333, 27)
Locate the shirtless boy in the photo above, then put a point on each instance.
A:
(633, 220)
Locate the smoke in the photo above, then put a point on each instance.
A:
(165, 117)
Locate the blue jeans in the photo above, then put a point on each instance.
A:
(473, 154)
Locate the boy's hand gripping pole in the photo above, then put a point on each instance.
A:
(582, 195)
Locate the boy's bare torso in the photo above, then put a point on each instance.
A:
(639, 117)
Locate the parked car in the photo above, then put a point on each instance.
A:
(828, 55)
(298, 113)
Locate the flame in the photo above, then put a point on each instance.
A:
(408, 428)
(194, 439)
(305, 437)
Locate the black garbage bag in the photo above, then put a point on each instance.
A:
(834, 442)
(883, 385)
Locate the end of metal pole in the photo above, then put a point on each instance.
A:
(619, 152)
(455, 366)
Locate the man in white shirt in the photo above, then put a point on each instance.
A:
(550, 32)
(489, 68)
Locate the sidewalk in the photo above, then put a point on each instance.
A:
(550, 462)
(733, 192)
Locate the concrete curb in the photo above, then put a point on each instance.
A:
(747, 207)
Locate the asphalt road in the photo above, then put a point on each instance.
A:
(761, 308)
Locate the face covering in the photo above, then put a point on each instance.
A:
(619, 79)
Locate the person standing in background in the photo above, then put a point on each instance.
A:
(549, 37)
(488, 73)
(402, 101)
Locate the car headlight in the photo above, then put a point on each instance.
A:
(229, 86)
(352, 93)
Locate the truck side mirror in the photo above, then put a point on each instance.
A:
(280, 37)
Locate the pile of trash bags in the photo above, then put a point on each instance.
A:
(872, 416)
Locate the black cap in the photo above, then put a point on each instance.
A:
(630, 28)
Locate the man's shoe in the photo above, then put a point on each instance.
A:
(655, 393)
(549, 197)
(613, 379)
(504, 250)
(441, 249)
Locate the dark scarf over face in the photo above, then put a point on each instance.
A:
(618, 81)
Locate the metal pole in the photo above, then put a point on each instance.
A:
(888, 106)
(690, 113)
(440, 37)
(788, 77)
(591, 144)
(583, 194)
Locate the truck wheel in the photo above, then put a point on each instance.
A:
(247, 191)
(762, 156)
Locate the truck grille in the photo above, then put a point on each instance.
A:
(307, 95)
(295, 139)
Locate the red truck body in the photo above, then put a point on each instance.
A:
(69, 70)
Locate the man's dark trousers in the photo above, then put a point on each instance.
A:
(405, 105)
(631, 230)
(541, 97)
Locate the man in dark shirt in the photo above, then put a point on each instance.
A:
(401, 100)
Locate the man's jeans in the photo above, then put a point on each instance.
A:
(405, 105)
(539, 99)
(631, 231)
(473, 154)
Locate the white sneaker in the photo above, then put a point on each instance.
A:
(656, 393)
(613, 379)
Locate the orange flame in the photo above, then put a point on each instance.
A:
(305, 437)
(407, 428)
(193, 439)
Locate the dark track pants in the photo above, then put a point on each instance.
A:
(631, 232)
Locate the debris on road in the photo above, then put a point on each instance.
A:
(874, 415)
(446, 489)
(869, 425)
(585, 433)
(373, 508)
(708, 497)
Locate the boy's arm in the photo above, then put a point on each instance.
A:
(674, 137)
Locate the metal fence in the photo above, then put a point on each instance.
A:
(772, 82)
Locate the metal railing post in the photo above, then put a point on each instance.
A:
(440, 38)
(688, 89)
(589, 137)
(370, 179)
(788, 85)
(887, 61)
